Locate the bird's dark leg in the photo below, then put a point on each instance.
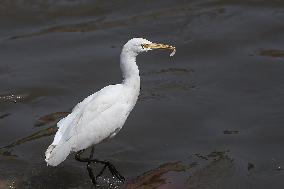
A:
(89, 168)
(106, 164)
(92, 152)
(79, 158)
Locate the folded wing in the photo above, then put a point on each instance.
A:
(69, 127)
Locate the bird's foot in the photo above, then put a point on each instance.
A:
(105, 164)
(110, 167)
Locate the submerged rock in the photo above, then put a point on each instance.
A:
(155, 178)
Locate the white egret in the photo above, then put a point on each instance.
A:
(101, 115)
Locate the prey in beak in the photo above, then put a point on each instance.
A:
(152, 46)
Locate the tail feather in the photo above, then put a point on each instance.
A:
(55, 154)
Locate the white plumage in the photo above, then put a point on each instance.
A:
(102, 114)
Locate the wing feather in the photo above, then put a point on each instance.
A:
(94, 105)
(77, 121)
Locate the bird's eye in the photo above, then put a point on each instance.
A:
(142, 46)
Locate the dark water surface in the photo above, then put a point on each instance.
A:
(210, 117)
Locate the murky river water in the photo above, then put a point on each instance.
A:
(210, 117)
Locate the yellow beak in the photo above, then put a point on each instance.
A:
(160, 46)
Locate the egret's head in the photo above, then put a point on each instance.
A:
(138, 45)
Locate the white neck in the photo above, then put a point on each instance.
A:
(129, 68)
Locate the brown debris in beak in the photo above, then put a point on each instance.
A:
(160, 46)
